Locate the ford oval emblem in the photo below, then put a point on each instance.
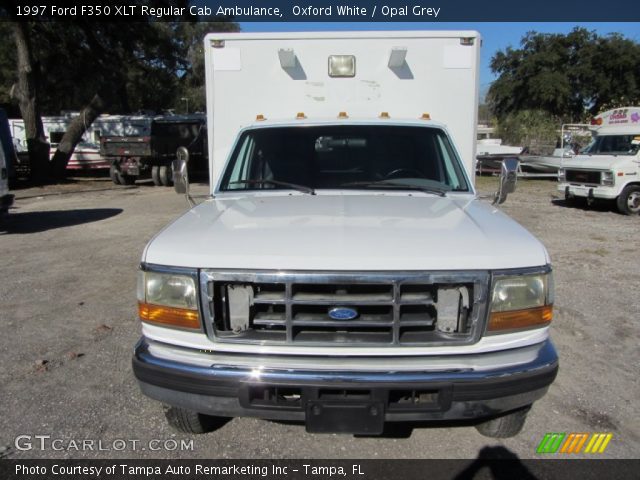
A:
(343, 313)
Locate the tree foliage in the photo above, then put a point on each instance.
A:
(133, 65)
(534, 129)
(570, 76)
(122, 67)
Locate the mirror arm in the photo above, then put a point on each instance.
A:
(508, 180)
(181, 176)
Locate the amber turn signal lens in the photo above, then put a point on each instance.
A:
(516, 319)
(169, 316)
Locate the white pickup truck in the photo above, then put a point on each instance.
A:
(609, 168)
(343, 272)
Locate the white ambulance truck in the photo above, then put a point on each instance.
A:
(343, 272)
(609, 168)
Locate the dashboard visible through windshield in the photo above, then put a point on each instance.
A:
(310, 158)
(613, 145)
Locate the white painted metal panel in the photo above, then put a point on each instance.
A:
(245, 77)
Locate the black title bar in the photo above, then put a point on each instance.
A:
(427, 11)
(492, 463)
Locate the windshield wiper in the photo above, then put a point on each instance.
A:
(295, 186)
(399, 186)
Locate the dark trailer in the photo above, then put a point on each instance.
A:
(134, 157)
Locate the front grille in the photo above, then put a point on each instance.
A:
(583, 177)
(379, 308)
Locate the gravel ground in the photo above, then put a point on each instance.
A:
(67, 328)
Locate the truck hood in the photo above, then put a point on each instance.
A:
(345, 232)
(597, 162)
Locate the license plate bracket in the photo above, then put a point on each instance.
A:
(361, 418)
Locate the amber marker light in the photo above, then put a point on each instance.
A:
(170, 316)
(520, 319)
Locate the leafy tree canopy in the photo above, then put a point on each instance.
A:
(570, 76)
(134, 66)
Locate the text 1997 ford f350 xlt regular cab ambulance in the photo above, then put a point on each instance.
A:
(609, 168)
(344, 273)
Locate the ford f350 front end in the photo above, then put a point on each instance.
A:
(344, 273)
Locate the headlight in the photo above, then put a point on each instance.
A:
(561, 175)
(607, 178)
(168, 299)
(523, 301)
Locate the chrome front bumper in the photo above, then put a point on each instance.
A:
(234, 386)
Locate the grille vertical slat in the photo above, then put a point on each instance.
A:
(289, 314)
(396, 312)
(390, 309)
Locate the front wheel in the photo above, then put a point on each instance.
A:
(505, 426)
(155, 175)
(629, 200)
(166, 175)
(188, 421)
(114, 173)
(127, 179)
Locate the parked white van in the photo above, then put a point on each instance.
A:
(609, 168)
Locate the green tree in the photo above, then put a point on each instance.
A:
(100, 67)
(534, 129)
(570, 76)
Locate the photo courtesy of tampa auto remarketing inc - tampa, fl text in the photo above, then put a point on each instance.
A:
(370, 240)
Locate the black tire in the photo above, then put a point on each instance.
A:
(629, 200)
(505, 426)
(569, 200)
(155, 175)
(114, 173)
(188, 421)
(166, 175)
(127, 179)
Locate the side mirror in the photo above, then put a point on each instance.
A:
(508, 179)
(180, 174)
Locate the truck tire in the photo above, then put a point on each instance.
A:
(114, 174)
(629, 200)
(127, 179)
(155, 175)
(188, 421)
(505, 426)
(120, 178)
(166, 175)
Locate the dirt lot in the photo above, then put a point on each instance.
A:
(68, 325)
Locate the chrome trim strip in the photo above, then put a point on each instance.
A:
(546, 357)
(396, 363)
(512, 272)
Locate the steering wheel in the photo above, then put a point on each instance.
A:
(402, 172)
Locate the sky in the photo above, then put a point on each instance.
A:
(495, 35)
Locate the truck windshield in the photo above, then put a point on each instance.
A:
(613, 145)
(345, 157)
